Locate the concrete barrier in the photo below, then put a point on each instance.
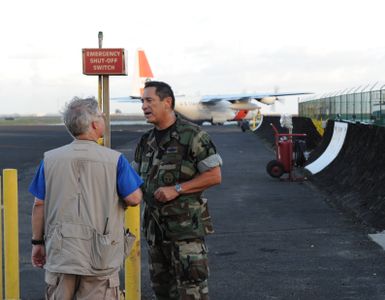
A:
(332, 150)
(355, 179)
(324, 143)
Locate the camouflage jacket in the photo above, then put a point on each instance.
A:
(184, 152)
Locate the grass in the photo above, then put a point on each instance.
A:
(31, 120)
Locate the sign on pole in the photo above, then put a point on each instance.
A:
(104, 61)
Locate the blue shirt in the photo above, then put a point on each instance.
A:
(127, 180)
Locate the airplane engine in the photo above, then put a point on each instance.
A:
(269, 100)
(218, 121)
(244, 105)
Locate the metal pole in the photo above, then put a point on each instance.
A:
(100, 37)
(370, 100)
(100, 86)
(381, 102)
(1, 242)
(132, 268)
(106, 110)
(11, 235)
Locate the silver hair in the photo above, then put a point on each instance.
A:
(78, 115)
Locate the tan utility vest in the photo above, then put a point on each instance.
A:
(83, 217)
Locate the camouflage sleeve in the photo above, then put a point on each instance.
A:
(135, 164)
(205, 153)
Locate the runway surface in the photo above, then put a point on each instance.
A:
(273, 240)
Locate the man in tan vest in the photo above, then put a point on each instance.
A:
(81, 191)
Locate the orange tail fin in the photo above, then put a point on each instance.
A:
(142, 74)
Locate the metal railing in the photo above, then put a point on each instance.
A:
(365, 104)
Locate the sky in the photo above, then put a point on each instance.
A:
(199, 47)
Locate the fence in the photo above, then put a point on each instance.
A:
(360, 104)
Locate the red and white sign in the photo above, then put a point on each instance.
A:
(104, 61)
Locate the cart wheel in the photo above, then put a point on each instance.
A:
(275, 168)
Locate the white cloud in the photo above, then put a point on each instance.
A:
(198, 46)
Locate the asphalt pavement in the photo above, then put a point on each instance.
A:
(273, 239)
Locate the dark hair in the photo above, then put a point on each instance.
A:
(162, 90)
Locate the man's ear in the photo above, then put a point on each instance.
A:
(168, 101)
(94, 125)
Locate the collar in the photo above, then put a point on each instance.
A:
(76, 141)
(171, 133)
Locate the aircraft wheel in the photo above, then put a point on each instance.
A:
(275, 168)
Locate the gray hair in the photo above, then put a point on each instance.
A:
(78, 115)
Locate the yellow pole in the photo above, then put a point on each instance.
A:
(1, 242)
(11, 234)
(132, 264)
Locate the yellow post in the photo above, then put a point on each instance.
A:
(1, 242)
(11, 234)
(132, 264)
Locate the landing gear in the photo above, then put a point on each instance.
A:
(245, 125)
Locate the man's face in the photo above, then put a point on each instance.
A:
(100, 125)
(155, 110)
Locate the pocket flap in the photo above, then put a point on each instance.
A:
(167, 167)
(175, 209)
(113, 281)
(79, 231)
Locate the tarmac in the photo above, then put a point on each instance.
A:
(273, 239)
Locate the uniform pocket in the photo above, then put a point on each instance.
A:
(192, 262)
(206, 218)
(177, 220)
(169, 169)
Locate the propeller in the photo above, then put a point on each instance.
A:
(277, 99)
(256, 120)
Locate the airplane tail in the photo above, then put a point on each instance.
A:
(142, 73)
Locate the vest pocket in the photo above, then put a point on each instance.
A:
(54, 239)
(105, 252)
(53, 244)
(129, 240)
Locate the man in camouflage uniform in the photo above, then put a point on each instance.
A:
(177, 161)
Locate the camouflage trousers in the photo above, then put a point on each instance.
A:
(179, 270)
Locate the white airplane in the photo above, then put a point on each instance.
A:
(216, 109)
